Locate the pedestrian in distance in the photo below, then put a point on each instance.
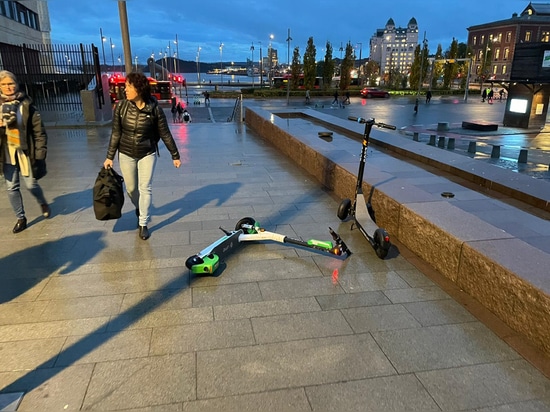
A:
(483, 95)
(186, 116)
(138, 124)
(335, 100)
(490, 96)
(428, 96)
(179, 110)
(307, 97)
(346, 98)
(23, 147)
(174, 112)
(416, 106)
(206, 97)
(500, 94)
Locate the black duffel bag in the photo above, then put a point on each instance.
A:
(108, 195)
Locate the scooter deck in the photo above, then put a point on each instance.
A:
(362, 215)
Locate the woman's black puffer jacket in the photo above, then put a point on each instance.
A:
(136, 131)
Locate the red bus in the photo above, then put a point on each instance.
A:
(161, 89)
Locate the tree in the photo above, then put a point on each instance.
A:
(414, 78)
(328, 67)
(295, 68)
(347, 65)
(372, 71)
(437, 68)
(451, 67)
(310, 64)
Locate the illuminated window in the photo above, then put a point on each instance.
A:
(499, 37)
(527, 36)
(508, 37)
(545, 37)
(504, 69)
(482, 39)
(506, 53)
(474, 40)
(495, 69)
(497, 54)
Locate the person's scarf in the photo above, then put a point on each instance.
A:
(12, 121)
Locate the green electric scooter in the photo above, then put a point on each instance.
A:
(360, 209)
(247, 229)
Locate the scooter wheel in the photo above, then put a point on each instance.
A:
(381, 243)
(246, 221)
(193, 261)
(344, 209)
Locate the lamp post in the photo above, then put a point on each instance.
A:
(288, 40)
(252, 62)
(177, 55)
(270, 53)
(421, 77)
(112, 53)
(261, 67)
(221, 60)
(199, 65)
(120, 63)
(102, 45)
(136, 62)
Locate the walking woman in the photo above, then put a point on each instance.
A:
(138, 123)
(23, 147)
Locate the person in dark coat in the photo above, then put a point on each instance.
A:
(138, 122)
(23, 147)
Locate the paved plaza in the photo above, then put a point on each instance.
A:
(94, 318)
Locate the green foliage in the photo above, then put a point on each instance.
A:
(347, 65)
(295, 68)
(328, 67)
(310, 65)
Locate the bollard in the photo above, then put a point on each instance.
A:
(472, 147)
(451, 143)
(495, 153)
(415, 136)
(432, 140)
(522, 156)
(441, 142)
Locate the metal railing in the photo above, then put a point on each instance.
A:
(53, 75)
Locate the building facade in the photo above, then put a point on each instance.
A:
(24, 22)
(493, 44)
(393, 47)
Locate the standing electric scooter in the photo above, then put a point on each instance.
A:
(248, 230)
(361, 210)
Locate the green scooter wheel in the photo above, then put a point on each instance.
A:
(246, 221)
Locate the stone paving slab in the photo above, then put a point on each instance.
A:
(94, 318)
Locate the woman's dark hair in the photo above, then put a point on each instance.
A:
(141, 83)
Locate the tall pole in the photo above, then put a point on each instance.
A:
(270, 52)
(360, 58)
(252, 61)
(261, 67)
(102, 45)
(199, 65)
(288, 40)
(221, 60)
(125, 35)
(112, 54)
(178, 53)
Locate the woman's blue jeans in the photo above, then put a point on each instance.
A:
(138, 179)
(13, 177)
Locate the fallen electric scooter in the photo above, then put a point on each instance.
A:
(360, 209)
(248, 230)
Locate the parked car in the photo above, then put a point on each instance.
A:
(374, 92)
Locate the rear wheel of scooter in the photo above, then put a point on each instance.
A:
(246, 221)
(344, 209)
(193, 261)
(381, 243)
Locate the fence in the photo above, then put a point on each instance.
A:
(52, 74)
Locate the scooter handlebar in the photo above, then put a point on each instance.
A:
(379, 124)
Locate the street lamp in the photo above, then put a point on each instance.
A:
(136, 62)
(103, 38)
(199, 65)
(252, 62)
(112, 53)
(261, 67)
(221, 69)
(177, 54)
(120, 62)
(270, 52)
(421, 76)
